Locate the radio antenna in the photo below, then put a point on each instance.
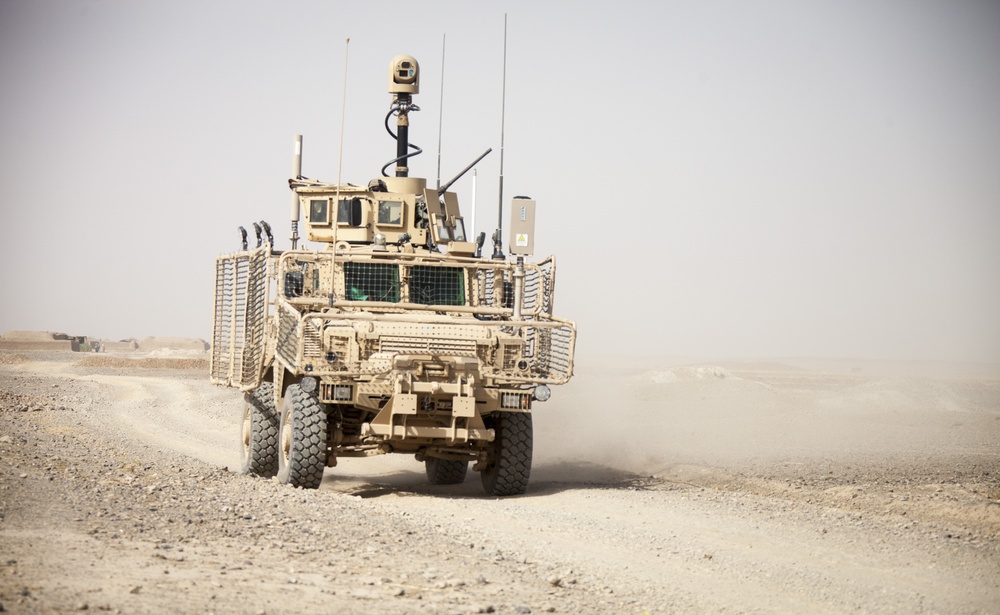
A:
(343, 113)
(441, 112)
(498, 235)
(335, 206)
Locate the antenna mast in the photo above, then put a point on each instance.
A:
(498, 235)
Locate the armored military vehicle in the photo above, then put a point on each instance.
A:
(396, 336)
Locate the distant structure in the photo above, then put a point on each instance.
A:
(40, 340)
(47, 340)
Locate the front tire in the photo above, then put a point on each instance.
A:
(446, 471)
(302, 443)
(510, 460)
(259, 454)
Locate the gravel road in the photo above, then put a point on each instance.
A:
(740, 488)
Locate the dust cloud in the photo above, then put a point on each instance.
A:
(654, 416)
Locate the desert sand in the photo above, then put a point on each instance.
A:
(659, 486)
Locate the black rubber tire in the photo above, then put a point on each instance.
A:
(510, 466)
(446, 471)
(259, 453)
(302, 439)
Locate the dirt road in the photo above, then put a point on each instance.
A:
(742, 488)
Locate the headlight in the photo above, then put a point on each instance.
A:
(543, 392)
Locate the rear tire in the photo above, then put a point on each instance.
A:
(259, 454)
(302, 443)
(446, 471)
(510, 463)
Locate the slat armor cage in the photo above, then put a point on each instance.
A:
(240, 316)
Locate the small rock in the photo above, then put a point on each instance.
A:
(135, 590)
(83, 606)
(522, 609)
(23, 475)
(555, 581)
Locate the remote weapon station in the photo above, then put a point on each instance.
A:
(397, 336)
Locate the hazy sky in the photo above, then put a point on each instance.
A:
(717, 179)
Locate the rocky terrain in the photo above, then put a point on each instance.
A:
(742, 488)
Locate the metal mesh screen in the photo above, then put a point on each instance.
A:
(371, 282)
(437, 285)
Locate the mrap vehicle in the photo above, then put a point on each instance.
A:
(396, 336)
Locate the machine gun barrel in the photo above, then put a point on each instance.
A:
(445, 187)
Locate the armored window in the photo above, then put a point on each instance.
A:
(459, 229)
(318, 211)
(443, 232)
(390, 213)
(371, 282)
(437, 285)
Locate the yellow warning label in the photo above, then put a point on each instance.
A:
(521, 240)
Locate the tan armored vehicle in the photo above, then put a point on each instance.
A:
(396, 336)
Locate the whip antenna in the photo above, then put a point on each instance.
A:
(441, 113)
(498, 235)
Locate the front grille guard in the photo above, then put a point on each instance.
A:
(549, 344)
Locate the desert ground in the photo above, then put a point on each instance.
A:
(659, 486)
